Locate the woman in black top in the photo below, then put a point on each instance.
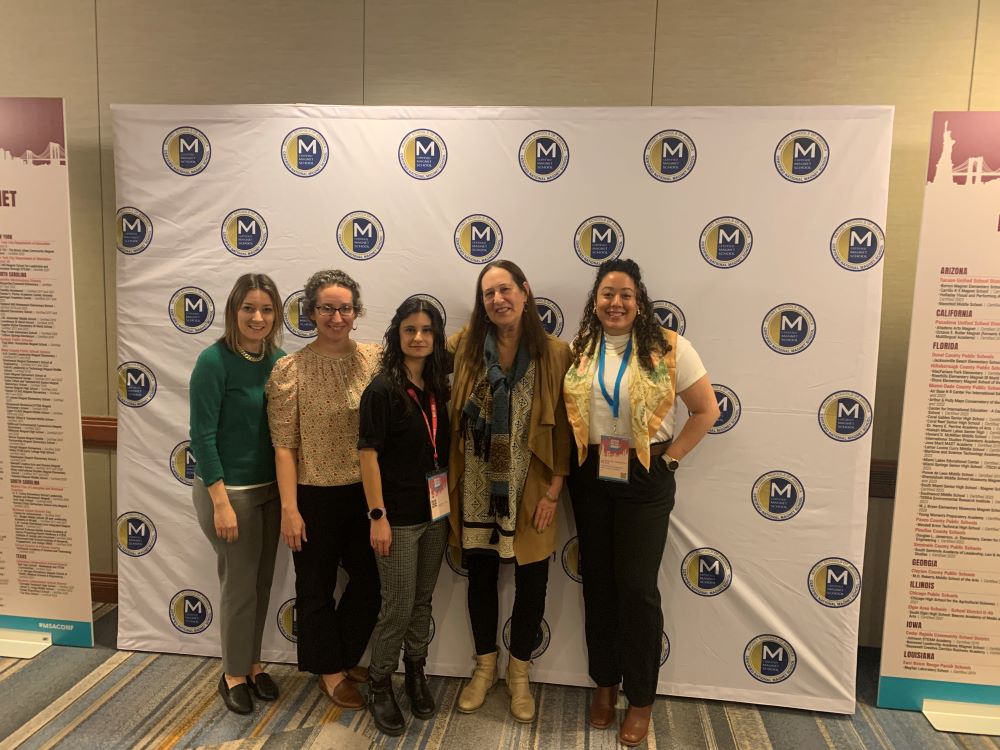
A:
(403, 445)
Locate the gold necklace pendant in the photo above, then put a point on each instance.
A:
(249, 356)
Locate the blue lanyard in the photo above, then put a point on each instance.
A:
(613, 402)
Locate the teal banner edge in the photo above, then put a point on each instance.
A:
(63, 632)
(909, 694)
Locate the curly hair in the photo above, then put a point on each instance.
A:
(321, 280)
(437, 364)
(648, 336)
(245, 284)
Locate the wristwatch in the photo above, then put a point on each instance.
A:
(672, 463)
(376, 513)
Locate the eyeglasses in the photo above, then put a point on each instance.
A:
(327, 311)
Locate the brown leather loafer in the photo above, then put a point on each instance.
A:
(357, 674)
(344, 695)
(602, 708)
(635, 727)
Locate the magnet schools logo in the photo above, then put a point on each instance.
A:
(244, 232)
(857, 244)
(182, 463)
(550, 315)
(304, 152)
(669, 315)
(453, 556)
(423, 154)
(136, 384)
(670, 155)
(598, 239)
(133, 230)
(801, 156)
(729, 409)
(726, 242)
(288, 623)
(706, 571)
(478, 238)
(542, 638)
(360, 235)
(778, 495)
(190, 611)
(136, 534)
(769, 658)
(834, 582)
(571, 559)
(191, 310)
(296, 321)
(845, 415)
(433, 301)
(788, 328)
(544, 156)
(186, 151)
(664, 648)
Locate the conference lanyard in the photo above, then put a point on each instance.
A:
(432, 424)
(614, 402)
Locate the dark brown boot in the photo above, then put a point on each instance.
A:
(635, 727)
(602, 708)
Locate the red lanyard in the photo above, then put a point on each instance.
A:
(432, 425)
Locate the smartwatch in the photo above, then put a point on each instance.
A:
(376, 513)
(672, 463)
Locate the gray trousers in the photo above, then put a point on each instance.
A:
(408, 576)
(246, 569)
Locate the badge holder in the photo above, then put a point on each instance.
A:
(613, 465)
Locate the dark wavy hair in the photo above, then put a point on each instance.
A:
(334, 277)
(648, 336)
(532, 333)
(436, 366)
(245, 284)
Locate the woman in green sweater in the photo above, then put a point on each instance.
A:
(235, 493)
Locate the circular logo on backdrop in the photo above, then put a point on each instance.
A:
(288, 623)
(186, 151)
(136, 534)
(543, 155)
(478, 238)
(542, 638)
(293, 312)
(571, 559)
(182, 463)
(550, 315)
(191, 310)
(845, 416)
(136, 384)
(453, 556)
(304, 152)
(706, 571)
(834, 582)
(598, 239)
(729, 409)
(857, 244)
(360, 235)
(664, 648)
(669, 315)
(670, 155)
(801, 156)
(133, 230)
(244, 232)
(769, 658)
(433, 301)
(423, 154)
(788, 328)
(190, 611)
(778, 495)
(726, 242)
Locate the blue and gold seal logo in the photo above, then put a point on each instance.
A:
(288, 622)
(857, 244)
(845, 416)
(801, 156)
(544, 155)
(542, 639)
(778, 495)
(453, 556)
(788, 328)
(726, 242)
(670, 155)
(478, 239)
(293, 313)
(182, 463)
(133, 231)
(190, 611)
(834, 582)
(669, 315)
(664, 648)
(244, 232)
(136, 384)
(136, 534)
(191, 310)
(598, 239)
(729, 409)
(423, 154)
(360, 235)
(706, 571)
(186, 151)
(304, 152)
(571, 559)
(550, 314)
(769, 658)
(433, 301)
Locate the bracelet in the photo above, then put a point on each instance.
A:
(550, 498)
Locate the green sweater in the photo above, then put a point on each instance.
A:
(229, 435)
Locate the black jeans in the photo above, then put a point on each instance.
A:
(530, 582)
(622, 530)
(333, 636)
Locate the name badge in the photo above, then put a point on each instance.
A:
(614, 458)
(437, 491)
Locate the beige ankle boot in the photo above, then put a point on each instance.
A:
(522, 703)
(484, 677)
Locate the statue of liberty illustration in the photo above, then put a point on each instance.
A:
(972, 171)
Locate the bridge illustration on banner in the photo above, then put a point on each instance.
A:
(974, 170)
(53, 155)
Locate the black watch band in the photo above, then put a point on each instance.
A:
(376, 513)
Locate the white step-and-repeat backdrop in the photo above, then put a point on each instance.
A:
(759, 231)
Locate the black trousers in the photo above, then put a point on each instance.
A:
(622, 531)
(332, 636)
(530, 582)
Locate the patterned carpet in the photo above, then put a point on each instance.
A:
(103, 698)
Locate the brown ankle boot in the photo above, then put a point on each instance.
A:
(602, 708)
(635, 727)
